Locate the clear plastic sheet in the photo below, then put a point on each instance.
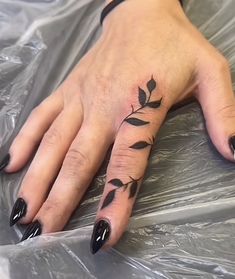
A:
(183, 223)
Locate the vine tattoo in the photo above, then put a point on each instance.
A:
(131, 185)
(146, 102)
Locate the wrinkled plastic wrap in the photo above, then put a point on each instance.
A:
(183, 223)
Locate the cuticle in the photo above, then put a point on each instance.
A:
(103, 219)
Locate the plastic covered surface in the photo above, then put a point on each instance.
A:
(183, 223)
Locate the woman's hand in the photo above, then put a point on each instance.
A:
(148, 58)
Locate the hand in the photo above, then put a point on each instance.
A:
(148, 58)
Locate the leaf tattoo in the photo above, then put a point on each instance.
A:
(151, 85)
(155, 104)
(133, 189)
(131, 185)
(145, 102)
(136, 121)
(140, 145)
(116, 182)
(108, 199)
(142, 97)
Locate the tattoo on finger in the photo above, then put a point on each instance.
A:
(131, 186)
(145, 100)
(135, 119)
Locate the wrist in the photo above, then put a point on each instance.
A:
(134, 11)
(108, 1)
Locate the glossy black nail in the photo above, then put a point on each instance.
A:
(34, 229)
(232, 145)
(101, 233)
(18, 211)
(5, 161)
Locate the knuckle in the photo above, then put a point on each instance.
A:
(22, 136)
(76, 160)
(227, 112)
(221, 64)
(50, 205)
(39, 109)
(122, 159)
(35, 112)
(100, 103)
(52, 137)
(103, 82)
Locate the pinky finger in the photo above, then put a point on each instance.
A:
(33, 130)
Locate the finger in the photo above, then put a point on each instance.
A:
(82, 161)
(126, 169)
(218, 104)
(47, 162)
(33, 130)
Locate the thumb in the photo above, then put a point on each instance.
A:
(217, 99)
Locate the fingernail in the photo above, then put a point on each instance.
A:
(232, 145)
(101, 233)
(18, 211)
(34, 229)
(5, 161)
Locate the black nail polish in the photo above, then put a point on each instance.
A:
(101, 233)
(18, 211)
(5, 161)
(34, 229)
(232, 144)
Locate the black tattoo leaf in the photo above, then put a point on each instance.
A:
(151, 85)
(140, 145)
(116, 182)
(133, 189)
(136, 122)
(155, 104)
(142, 97)
(108, 199)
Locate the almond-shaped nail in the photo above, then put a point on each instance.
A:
(5, 161)
(100, 236)
(18, 211)
(33, 229)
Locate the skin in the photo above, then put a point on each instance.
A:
(140, 40)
